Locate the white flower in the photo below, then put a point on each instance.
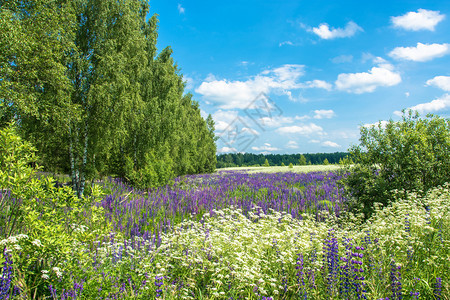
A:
(37, 243)
(45, 276)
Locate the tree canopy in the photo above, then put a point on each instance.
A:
(84, 83)
(412, 154)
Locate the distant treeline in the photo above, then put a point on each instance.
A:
(249, 159)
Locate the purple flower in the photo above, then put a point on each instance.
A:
(6, 277)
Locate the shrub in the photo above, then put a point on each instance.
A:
(409, 155)
(153, 173)
(40, 223)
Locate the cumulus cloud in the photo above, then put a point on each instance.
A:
(324, 114)
(239, 94)
(320, 84)
(331, 144)
(438, 104)
(265, 147)
(223, 119)
(292, 145)
(288, 73)
(302, 130)
(420, 53)
(367, 82)
(226, 150)
(324, 31)
(423, 19)
(442, 82)
(275, 121)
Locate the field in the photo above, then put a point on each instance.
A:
(245, 235)
(276, 169)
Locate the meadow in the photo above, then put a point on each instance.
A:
(235, 234)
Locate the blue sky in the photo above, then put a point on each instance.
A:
(303, 76)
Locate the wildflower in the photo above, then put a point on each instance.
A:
(158, 283)
(438, 288)
(37, 243)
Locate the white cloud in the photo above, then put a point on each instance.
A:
(249, 130)
(223, 119)
(275, 121)
(331, 144)
(320, 84)
(266, 147)
(314, 141)
(226, 150)
(287, 73)
(421, 53)
(302, 130)
(203, 114)
(180, 9)
(286, 43)
(292, 145)
(407, 94)
(423, 19)
(239, 94)
(324, 114)
(367, 82)
(442, 82)
(342, 59)
(324, 32)
(301, 118)
(383, 124)
(430, 107)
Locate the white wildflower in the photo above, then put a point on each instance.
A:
(37, 243)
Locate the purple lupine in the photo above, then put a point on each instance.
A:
(438, 288)
(396, 281)
(300, 276)
(414, 293)
(331, 259)
(6, 277)
(159, 281)
(358, 273)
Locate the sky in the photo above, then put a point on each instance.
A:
(304, 76)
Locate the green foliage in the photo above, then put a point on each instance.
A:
(409, 155)
(302, 160)
(326, 162)
(154, 172)
(41, 223)
(84, 81)
(16, 158)
(266, 163)
(282, 164)
(291, 166)
(346, 161)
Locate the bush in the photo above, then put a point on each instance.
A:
(40, 223)
(153, 173)
(409, 155)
